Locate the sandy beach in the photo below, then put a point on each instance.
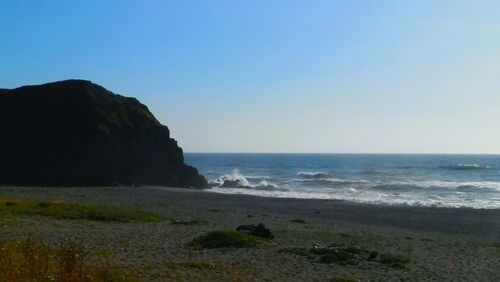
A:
(440, 244)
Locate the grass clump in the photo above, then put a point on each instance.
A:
(31, 260)
(299, 220)
(394, 261)
(224, 239)
(62, 210)
(340, 255)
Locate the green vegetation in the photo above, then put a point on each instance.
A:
(62, 210)
(224, 239)
(299, 220)
(394, 261)
(31, 260)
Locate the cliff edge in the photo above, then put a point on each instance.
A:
(76, 133)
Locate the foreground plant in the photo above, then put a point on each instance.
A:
(31, 260)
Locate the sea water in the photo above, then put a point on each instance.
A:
(417, 180)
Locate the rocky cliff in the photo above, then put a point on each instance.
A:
(76, 133)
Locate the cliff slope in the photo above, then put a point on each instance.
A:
(76, 133)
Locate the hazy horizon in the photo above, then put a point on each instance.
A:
(278, 76)
(339, 153)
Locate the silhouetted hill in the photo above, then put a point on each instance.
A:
(77, 133)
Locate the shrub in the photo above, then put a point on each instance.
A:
(225, 239)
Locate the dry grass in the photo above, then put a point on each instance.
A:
(62, 210)
(31, 260)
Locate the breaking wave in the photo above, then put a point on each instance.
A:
(313, 174)
(327, 182)
(431, 185)
(238, 180)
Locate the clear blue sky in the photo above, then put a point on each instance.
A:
(278, 76)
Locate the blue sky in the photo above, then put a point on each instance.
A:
(278, 76)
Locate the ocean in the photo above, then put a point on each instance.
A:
(416, 180)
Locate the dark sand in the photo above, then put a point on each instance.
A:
(465, 221)
(443, 244)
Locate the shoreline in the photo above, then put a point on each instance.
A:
(349, 201)
(461, 221)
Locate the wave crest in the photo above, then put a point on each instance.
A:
(238, 180)
(316, 175)
(466, 167)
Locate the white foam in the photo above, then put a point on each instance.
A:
(238, 180)
(371, 198)
(316, 185)
(257, 177)
(318, 174)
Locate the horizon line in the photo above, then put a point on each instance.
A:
(343, 153)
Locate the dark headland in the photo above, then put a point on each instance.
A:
(76, 133)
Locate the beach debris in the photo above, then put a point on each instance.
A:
(348, 255)
(256, 230)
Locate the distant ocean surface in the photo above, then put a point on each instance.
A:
(415, 180)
